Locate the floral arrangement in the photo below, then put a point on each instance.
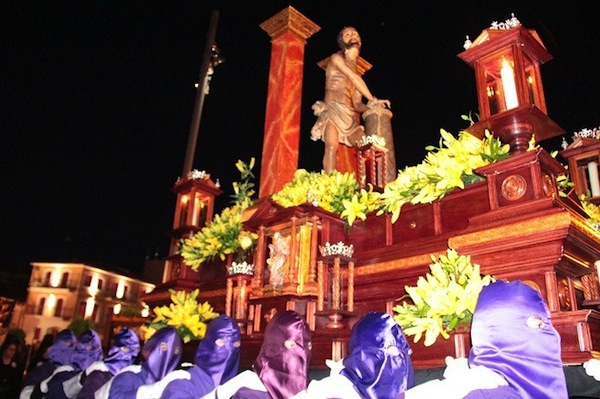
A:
(224, 235)
(334, 192)
(444, 169)
(442, 300)
(184, 313)
(593, 211)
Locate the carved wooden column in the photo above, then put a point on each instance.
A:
(311, 286)
(336, 282)
(257, 282)
(291, 278)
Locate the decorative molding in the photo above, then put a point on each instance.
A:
(290, 20)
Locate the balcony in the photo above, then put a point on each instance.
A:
(64, 313)
(69, 284)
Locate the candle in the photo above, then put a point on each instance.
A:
(594, 181)
(198, 205)
(508, 84)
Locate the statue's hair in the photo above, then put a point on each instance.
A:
(340, 36)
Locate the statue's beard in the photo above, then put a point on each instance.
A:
(351, 44)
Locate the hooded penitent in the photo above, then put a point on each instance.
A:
(218, 354)
(61, 351)
(59, 354)
(512, 334)
(283, 361)
(378, 363)
(161, 353)
(88, 349)
(126, 346)
(217, 360)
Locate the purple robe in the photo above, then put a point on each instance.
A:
(217, 359)
(55, 387)
(218, 354)
(125, 384)
(504, 392)
(61, 351)
(126, 346)
(199, 384)
(161, 354)
(39, 373)
(59, 354)
(284, 358)
(88, 349)
(512, 334)
(93, 381)
(378, 363)
(247, 393)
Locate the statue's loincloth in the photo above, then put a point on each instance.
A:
(342, 117)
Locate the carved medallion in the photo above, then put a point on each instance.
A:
(513, 187)
(548, 186)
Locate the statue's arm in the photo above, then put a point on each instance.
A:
(359, 83)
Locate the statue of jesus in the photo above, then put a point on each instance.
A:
(337, 121)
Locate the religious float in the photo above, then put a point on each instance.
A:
(517, 222)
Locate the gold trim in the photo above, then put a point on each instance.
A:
(511, 231)
(582, 224)
(213, 293)
(397, 264)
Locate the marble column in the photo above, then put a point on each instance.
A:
(289, 30)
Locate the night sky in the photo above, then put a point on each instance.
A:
(97, 101)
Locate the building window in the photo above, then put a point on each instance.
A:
(64, 282)
(47, 278)
(88, 280)
(95, 313)
(40, 307)
(81, 310)
(100, 284)
(120, 290)
(59, 308)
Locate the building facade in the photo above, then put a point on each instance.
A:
(58, 293)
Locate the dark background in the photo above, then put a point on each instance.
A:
(97, 98)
